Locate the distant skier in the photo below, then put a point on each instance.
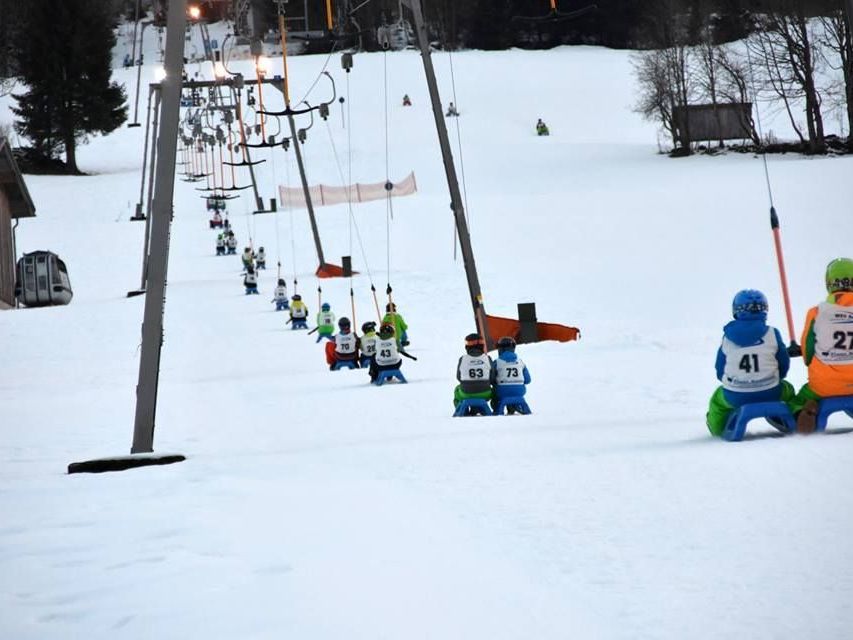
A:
(231, 243)
(407, 102)
(325, 323)
(474, 372)
(827, 344)
(248, 258)
(400, 327)
(250, 281)
(509, 375)
(280, 296)
(261, 259)
(220, 245)
(752, 361)
(216, 220)
(542, 128)
(451, 111)
(298, 312)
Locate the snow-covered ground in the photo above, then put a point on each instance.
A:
(313, 505)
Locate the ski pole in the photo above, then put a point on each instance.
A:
(793, 348)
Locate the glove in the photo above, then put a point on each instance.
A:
(794, 350)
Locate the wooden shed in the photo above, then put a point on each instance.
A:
(15, 202)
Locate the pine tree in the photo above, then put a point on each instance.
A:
(64, 56)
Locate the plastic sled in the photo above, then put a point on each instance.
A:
(281, 306)
(344, 364)
(828, 406)
(251, 291)
(776, 413)
(387, 375)
(512, 404)
(472, 407)
(298, 323)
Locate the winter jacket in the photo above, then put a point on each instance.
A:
(510, 375)
(738, 335)
(828, 346)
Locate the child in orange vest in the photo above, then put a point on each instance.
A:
(828, 345)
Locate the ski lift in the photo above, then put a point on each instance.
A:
(42, 280)
(555, 15)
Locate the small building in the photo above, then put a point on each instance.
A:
(15, 203)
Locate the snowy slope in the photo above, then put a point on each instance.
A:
(315, 506)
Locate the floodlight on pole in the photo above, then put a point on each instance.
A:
(159, 74)
(194, 12)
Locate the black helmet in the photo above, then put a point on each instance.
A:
(250, 269)
(281, 282)
(367, 327)
(344, 323)
(386, 330)
(506, 344)
(260, 248)
(390, 307)
(474, 343)
(296, 297)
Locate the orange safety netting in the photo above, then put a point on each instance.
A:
(499, 327)
(325, 195)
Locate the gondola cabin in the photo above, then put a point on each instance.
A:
(42, 280)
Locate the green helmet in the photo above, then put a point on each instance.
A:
(839, 275)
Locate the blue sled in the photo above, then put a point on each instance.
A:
(251, 291)
(281, 306)
(471, 407)
(387, 375)
(828, 406)
(298, 324)
(344, 364)
(512, 404)
(776, 413)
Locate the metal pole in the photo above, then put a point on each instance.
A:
(135, 122)
(450, 171)
(152, 165)
(135, 27)
(145, 152)
(294, 138)
(238, 112)
(167, 143)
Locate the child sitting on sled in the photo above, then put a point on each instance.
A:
(752, 361)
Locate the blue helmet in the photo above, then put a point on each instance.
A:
(749, 304)
(325, 306)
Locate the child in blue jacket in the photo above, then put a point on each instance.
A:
(752, 361)
(510, 376)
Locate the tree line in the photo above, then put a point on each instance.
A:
(797, 58)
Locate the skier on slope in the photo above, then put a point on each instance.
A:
(827, 344)
(298, 312)
(220, 245)
(509, 374)
(261, 259)
(279, 295)
(752, 361)
(368, 344)
(231, 243)
(250, 281)
(388, 353)
(325, 323)
(474, 372)
(400, 327)
(248, 258)
(345, 347)
(542, 128)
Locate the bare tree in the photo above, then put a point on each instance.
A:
(837, 42)
(786, 57)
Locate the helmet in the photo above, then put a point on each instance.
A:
(281, 282)
(839, 275)
(247, 249)
(296, 297)
(386, 330)
(749, 304)
(390, 307)
(344, 323)
(367, 327)
(473, 342)
(325, 307)
(260, 248)
(506, 344)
